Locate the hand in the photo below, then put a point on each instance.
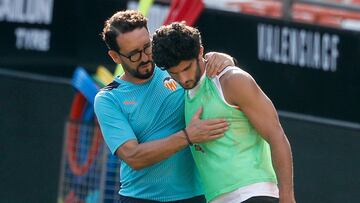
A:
(217, 62)
(205, 130)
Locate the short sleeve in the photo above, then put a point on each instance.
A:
(115, 127)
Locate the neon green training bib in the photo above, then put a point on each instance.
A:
(240, 158)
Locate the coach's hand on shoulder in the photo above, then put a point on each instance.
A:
(200, 131)
(217, 62)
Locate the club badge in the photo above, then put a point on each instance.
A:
(170, 83)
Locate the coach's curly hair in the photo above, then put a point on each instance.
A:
(121, 22)
(174, 43)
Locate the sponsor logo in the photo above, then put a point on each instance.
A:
(129, 102)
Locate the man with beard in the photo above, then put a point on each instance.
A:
(252, 163)
(141, 115)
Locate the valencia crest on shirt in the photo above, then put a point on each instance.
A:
(170, 83)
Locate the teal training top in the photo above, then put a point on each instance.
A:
(147, 112)
(240, 158)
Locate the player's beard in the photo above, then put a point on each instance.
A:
(197, 77)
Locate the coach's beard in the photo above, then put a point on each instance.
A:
(148, 72)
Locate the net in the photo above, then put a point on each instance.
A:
(89, 172)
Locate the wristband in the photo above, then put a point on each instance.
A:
(187, 137)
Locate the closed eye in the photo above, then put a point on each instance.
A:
(183, 70)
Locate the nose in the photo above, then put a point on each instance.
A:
(145, 57)
(182, 78)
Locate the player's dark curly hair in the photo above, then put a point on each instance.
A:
(174, 43)
(121, 22)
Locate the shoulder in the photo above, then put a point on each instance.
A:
(105, 96)
(105, 92)
(235, 77)
(160, 74)
(239, 87)
(111, 86)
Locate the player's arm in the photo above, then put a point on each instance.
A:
(240, 89)
(122, 141)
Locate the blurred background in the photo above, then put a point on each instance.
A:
(305, 55)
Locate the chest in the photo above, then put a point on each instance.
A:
(149, 106)
(213, 105)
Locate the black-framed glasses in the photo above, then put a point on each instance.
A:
(135, 57)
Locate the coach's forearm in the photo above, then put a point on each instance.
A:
(149, 153)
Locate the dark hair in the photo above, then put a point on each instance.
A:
(174, 43)
(121, 22)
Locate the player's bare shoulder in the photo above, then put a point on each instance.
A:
(238, 86)
(236, 76)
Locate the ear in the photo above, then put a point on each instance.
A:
(115, 56)
(201, 52)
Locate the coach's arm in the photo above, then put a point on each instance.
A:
(142, 155)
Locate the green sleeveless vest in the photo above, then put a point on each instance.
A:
(242, 157)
